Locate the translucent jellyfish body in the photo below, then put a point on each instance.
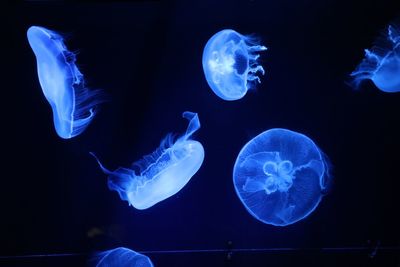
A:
(162, 173)
(230, 63)
(382, 63)
(120, 257)
(62, 83)
(280, 176)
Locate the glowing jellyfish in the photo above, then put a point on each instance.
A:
(120, 257)
(162, 173)
(280, 176)
(230, 63)
(382, 63)
(62, 83)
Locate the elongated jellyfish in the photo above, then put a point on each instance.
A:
(381, 64)
(62, 83)
(120, 257)
(280, 176)
(162, 173)
(230, 63)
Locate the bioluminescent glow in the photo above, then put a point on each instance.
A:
(280, 176)
(62, 83)
(230, 63)
(382, 63)
(120, 257)
(162, 173)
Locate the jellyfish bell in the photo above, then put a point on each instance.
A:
(62, 83)
(280, 176)
(120, 257)
(230, 64)
(162, 173)
(381, 64)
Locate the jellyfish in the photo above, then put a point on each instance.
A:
(120, 257)
(280, 176)
(381, 64)
(230, 64)
(62, 83)
(162, 173)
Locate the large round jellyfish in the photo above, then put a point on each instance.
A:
(62, 83)
(120, 257)
(280, 176)
(162, 173)
(382, 63)
(230, 63)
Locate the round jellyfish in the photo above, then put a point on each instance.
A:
(162, 173)
(62, 83)
(230, 63)
(381, 64)
(280, 176)
(120, 257)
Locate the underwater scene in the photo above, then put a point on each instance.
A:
(201, 133)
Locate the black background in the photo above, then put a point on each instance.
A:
(146, 57)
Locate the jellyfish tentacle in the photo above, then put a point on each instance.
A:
(254, 78)
(393, 34)
(104, 169)
(257, 48)
(194, 123)
(256, 69)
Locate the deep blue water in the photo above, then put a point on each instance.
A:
(146, 56)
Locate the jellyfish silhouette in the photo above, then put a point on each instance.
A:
(381, 64)
(62, 83)
(280, 176)
(230, 63)
(120, 257)
(161, 174)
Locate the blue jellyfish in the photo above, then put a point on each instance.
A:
(382, 63)
(62, 83)
(120, 257)
(162, 173)
(230, 63)
(280, 176)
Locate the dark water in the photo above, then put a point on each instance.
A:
(147, 57)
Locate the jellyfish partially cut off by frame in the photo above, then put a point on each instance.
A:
(230, 63)
(62, 83)
(162, 173)
(280, 176)
(381, 64)
(120, 257)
